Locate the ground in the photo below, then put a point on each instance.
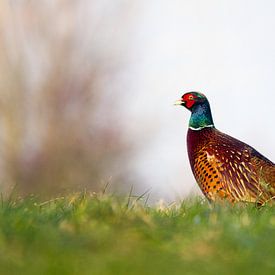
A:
(107, 234)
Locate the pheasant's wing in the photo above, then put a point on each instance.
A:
(227, 167)
(233, 170)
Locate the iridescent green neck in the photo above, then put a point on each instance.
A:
(201, 117)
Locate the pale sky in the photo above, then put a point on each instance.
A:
(225, 49)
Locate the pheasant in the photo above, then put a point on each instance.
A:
(225, 167)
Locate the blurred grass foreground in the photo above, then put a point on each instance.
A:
(102, 234)
(60, 78)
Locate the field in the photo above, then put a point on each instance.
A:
(107, 234)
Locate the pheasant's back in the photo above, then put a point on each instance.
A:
(225, 167)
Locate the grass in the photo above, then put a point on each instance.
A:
(104, 234)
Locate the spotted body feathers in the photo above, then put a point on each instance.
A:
(225, 167)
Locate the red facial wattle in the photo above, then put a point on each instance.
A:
(189, 103)
(189, 100)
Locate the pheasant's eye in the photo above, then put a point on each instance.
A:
(191, 97)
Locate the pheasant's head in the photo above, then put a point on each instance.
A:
(191, 99)
(199, 106)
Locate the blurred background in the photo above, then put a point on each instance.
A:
(87, 90)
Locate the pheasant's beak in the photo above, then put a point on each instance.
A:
(179, 102)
